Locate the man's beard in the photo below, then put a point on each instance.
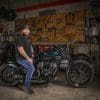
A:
(26, 35)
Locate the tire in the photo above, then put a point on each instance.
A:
(79, 74)
(82, 56)
(7, 73)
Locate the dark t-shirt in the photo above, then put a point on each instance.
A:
(25, 43)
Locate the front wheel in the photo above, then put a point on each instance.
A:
(7, 75)
(79, 74)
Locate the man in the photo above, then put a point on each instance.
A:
(24, 56)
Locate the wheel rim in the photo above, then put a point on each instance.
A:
(8, 75)
(80, 74)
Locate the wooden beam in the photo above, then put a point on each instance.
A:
(46, 5)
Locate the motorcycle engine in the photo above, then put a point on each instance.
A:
(64, 64)
(48, 68)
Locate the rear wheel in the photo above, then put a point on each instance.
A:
(79, 74)
(7, 75)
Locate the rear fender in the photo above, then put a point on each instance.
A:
(13, 64)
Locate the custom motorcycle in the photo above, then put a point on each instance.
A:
(79, 73)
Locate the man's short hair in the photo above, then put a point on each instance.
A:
(25, 26)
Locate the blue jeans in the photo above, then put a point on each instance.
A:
(30, 70)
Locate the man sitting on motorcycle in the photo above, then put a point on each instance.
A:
(24, 56)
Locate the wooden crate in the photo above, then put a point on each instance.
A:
(51, 39)
(80, 17)
(80, 27)
(70, 29)
(40, 23)
(71, 37)
(50, 34)
(33, 39)
(57, 28)
(50, 22)
(33, 24)
(70, 18)
(60, 39)
(59, 21)
(80, 36)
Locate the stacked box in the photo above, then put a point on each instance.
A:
(60, 21)
(40, 24)
(80, 36)
(71, 37)
(33, 24)
(70, 29)
(49, 23)
(80, 17)
(70, 18)
(57, 28)
(60, 39)
(33, 39)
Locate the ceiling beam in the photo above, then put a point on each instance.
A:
(46, 5)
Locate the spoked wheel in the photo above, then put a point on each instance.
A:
(8, 75)
(80, 74)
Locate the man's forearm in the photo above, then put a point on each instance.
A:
(32, 52)
(32, 49)
(23, 53)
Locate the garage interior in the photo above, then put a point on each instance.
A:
(71, 24)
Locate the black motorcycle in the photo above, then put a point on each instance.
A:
(79, 73)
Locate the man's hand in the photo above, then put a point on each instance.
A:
(23, 53)
(30, 60)
(32, 55)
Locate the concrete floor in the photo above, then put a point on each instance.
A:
(57, 91)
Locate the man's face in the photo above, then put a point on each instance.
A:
(26, 31)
